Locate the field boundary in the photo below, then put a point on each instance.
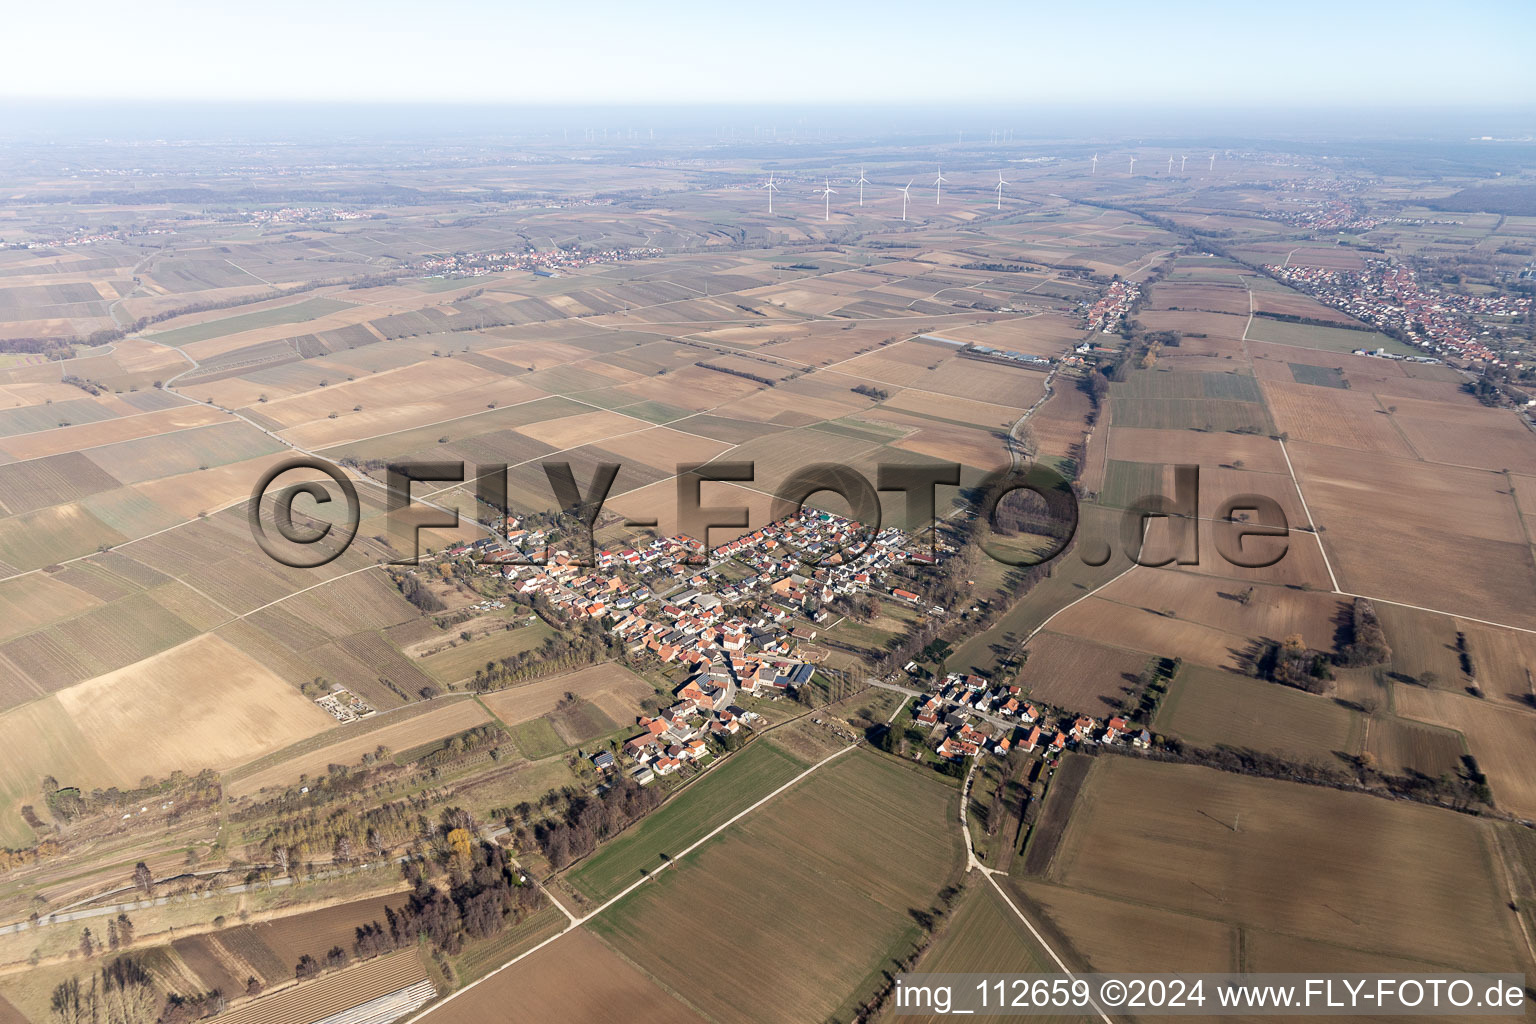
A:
(579, 921)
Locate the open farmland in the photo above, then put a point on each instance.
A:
(1332, 339)
(225, 709)
(184, 451)
(1269, 611)
(1110, 935)
(574, 978)
(1191, 413)
(1280, 857)
(203, 958)
(1503, 662)
(1502, 739)
(827, 873)
(82, 437)
(51, 535)
(274, 316)
(1208, 451)
(1423, 645)
(333, 993)
(1294, 304)
(293, 935)
(398, 732)
(30, 602)
(612, 688)
(99, 641)
(1463, 435)
(981, 934)
(1352, 420)
(1402, 746)
(1128, 483)
(1209, 298)
(455, 664)
(1435, 536)
(338, 299)
(732, 786)
(984, 651)
(1209, 707)
(199, 705)
(1200, 618)
(1079, 674)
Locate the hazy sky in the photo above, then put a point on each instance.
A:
(1344, 52)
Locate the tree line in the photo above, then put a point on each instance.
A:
(485, 895)
(589, 820)
(123, 992)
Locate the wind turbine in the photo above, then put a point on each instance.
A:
(772, 188)
(1093, 165)
(1182, 161)
(938, 186)
(827, 193)
(1213, 161)
(862, 182)
(1000, 184)
(1170, 165)
(905, 194)
(1133, 167)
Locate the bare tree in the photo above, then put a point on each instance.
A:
(143, 878)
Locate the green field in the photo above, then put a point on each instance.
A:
(1321, 376)
(36, 539)
(1231, 386)
(655, 412)
(1209, 707)
(740, 780)
(580, 721)
(461, 662)
(1127, 482)
(1329, 339)
(1191, 414)
(537, 738)
(982, 936)
(1185, 384)
(1189, 401)
(297, 313)
(860, 634)
(480, 958)
(816, 891)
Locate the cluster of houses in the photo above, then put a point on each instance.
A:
(86, 236)
(656, 598)
(736, 623)
(1328, 215)
(674, 738)
(485, 263)
(1108, 311)
(1388, 295)
(968, 716)
(300, 215)
(1323, 203)
(729, 622)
